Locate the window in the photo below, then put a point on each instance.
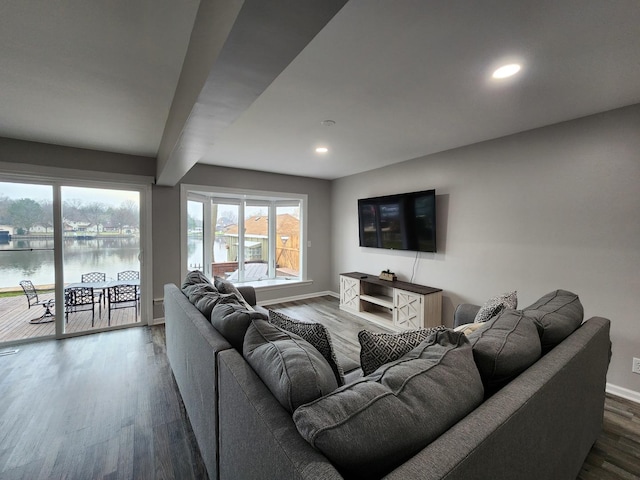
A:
(244, 236)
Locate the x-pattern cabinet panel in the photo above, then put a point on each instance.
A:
(393, 304)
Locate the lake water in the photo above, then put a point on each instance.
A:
(109, 255)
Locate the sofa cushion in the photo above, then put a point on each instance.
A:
(207, 302)
(291, 368)
(376, 349)
(557, 315)
(506, 346)
(369, 427)
(495, 305)
(232, 320)
(224, 286)
(314, 333)
(194, 277)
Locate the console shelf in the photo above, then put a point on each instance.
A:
(392, 304)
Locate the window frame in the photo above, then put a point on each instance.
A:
(240, 197)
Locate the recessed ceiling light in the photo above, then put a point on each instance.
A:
(327, 123)
(322, 150)
(506, 70)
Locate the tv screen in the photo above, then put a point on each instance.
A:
(400, 222)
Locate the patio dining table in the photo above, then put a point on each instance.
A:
(102, 286)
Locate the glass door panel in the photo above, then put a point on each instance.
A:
(195, 235)
(101, 258)
(256, 252)
(224, 251)
(288, 241)
(27, 268)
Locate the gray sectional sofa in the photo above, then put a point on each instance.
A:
(540, 425)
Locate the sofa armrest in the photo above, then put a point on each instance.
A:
(249, 294)
(465, 313)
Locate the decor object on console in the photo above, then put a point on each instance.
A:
(387, 275)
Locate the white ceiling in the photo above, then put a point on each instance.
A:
(400, 78)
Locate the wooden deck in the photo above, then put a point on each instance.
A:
(15, 316)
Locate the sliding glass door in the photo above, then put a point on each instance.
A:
(71, 258)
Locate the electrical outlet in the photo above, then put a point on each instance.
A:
(636, 365)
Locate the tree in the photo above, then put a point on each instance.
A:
(46, 215)
(94, 213)
(25, 213)
(126, 215)
(4, 210)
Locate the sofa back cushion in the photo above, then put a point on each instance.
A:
(232, 320)
(369, 427)
(292, 369)
(504, 347)
(194, 277)
(557, 315)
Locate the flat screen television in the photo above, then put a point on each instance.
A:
(405, 221)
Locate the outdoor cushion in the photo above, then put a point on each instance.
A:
(369, 427)
(314, 333)
(506, 346)
(557, 315)
(291, 368)
(495, 305)
(376, 349)
(232, 320)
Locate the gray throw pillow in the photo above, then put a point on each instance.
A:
(207, 302)
(504, 347)
(195, 291)
(495, 305)
(314, 333)
(376, 349)
(232, 320)
(291, 368)
(369, 427)
(193, 277)
(557, 315)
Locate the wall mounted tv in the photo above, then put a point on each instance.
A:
(400, 222)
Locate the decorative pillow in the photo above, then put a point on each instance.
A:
(194, 277)
(291, 368)
(376, 349)
(314, 333)
(468, 328)
(495, 305)
(224, 286)
(369, 427)
(504, 347)
(232, 320)
(557, 315)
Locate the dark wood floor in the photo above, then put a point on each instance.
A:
(106, 406)
(101, 406)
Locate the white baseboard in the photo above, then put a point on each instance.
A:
(623, 392)
(266, 303)
(157, 321)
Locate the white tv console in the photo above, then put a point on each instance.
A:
(392, 304)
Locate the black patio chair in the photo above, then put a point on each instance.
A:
(122, 296)
(95, 277)
(128, 275)
(78, 299)
(31, 293)
(32, 299)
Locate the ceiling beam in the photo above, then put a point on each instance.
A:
(237, 50)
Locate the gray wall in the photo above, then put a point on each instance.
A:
(166, 224)
(556, 207)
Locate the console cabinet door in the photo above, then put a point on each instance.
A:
(408, 312)
(350, 293)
